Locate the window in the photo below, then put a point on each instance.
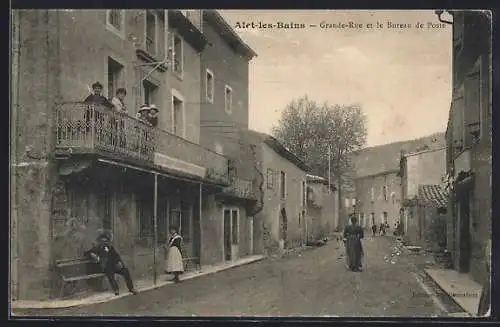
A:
(235, 227)
(384, 191)
(303, 194)
(151, 32)
(473, 108)
(346, 202)
(150, 91)
(115, 71)
(384, 218)
(228, 99)
(209, 86)
(372, 191)
(283, 184)
(178, 115)
(115, 20)
(373, 218)
(270, 178)
(177, 56)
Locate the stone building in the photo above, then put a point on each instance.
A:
(280, 224)
(322, 208)
(468, 143)
(223, 121)
(419, 172)
(377, 181)
(78, 167)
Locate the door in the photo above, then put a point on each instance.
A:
(464, 233)
(227, 234)
(250, 235)
(284, 228)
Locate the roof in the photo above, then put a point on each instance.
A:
(278, 148)
(384, 158)
(406, 155)
(433, 195)
(227, 33)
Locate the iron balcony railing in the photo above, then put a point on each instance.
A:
(84, 128)
(240, 188)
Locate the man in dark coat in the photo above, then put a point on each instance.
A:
(96, 97)
(353, 234)
(110, 262)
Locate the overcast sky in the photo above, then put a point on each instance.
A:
(401, 77)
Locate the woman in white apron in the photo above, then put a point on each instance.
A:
(173, 264)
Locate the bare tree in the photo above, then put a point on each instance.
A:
(309, 130)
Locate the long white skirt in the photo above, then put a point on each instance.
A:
(174, 261)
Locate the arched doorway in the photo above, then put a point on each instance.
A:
(283, 228)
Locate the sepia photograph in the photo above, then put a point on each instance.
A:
(250, 163)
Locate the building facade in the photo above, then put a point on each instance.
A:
(377, 181)
(223, 121)
(322, 208)
(468, 139)
(280, 222)
(77, 167)
(418, 172)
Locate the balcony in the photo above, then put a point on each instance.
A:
(462, 162)
(240, 188)
(90, 129)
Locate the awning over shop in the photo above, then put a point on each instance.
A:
(433, 195)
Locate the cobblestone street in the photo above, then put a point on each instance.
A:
(312, 283)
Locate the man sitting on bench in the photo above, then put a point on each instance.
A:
(110, 262)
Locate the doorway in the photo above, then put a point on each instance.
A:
(250, 236)
(464, 232)
(231, 234)
(283, 228)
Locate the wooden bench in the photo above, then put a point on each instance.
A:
(76, 269)
(191, 262)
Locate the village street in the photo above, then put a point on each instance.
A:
(312, 283)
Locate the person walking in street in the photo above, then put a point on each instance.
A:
(382, 229)
(374, 229)
(173, 254)
(110, 262)
(354, 250)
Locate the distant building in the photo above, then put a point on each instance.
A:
(377, 181)
(281, 222)
(419, 171)
(469, 143)
(322, 208)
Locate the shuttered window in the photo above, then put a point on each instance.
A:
(472, 113)
(458, 130)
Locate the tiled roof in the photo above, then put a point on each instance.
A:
(279, 148)
(384, 158)
(432, 195)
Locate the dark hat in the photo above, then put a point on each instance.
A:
(153, 107)
(97, 84)
(144, 107)
(104, 234)
(121, 90)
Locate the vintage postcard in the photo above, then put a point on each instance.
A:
(258, 163)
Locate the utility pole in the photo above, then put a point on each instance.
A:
(329, 169)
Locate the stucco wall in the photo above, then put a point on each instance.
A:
(427, 168)
(273, 204)
(366, 206)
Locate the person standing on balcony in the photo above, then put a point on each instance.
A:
(98, 100)
(173, 254)
(142, 131)
(153, 115)
(119, 105)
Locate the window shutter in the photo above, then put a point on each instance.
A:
(472, 112)
(458, 110)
